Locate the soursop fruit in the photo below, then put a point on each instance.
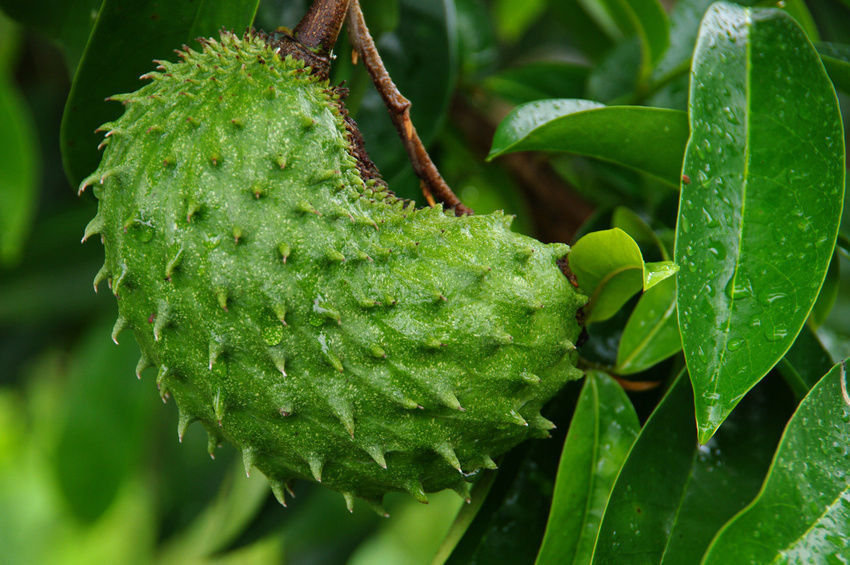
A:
(295, 307)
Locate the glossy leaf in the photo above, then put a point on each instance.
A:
(645, 19)
(654, 273)
(126, 37)
(652, 332)
(759, 217)
(798, 10)
(802, 513)
(511, 522)
(18, 171)
(672, 494)
(602, 431)
(805, 363)
(539, 80)
(649, 140)
(609, 268)
(836, 59)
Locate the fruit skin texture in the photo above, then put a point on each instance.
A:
(329, 330)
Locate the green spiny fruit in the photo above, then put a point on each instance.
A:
(328, 329)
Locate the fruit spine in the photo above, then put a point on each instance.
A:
(328, 329)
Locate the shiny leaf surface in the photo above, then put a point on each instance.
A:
(609, 268)
(802, 513)
(652, 332)
(672, 494)
(650, 140)
(602, 431)
(759, 217)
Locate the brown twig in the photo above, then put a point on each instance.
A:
(319, 28)
(399, 109)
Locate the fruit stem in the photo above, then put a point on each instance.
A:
(433, 184)
(319, 28)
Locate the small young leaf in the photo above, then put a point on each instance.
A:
(654, 273)
(602, 431)
(672, 494)
(759, 217)
(652, 332)
(609, 267)
(803, 509)
(649, 140)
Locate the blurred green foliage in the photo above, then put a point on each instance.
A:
(90, 467)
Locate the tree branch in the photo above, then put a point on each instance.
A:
(433, 185)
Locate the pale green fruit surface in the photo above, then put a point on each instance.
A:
(324, 328)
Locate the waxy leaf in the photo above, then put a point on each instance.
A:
(673, 494)
(649, 140)
(609, 268)
(802, 514)
(652, 332)
(602, 431)
(126, 37)
(654, 273)
(759, 217)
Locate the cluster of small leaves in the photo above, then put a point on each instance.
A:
(697, 154)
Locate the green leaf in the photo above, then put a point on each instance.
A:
(802, 513)
(672, 494)
(539, 80)
(602, 431)
(654, 273)
(836, 59)
(511, 522)
(19, 167)
(609, 268)
(652, 332)
(805, 363)
(649, 140)
(758, 219)
(797, 9)
(645, 19)
(105, 424)
(126, 37)
(68, 22)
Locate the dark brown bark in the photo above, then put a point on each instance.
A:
(319, 28)
(433, 185)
